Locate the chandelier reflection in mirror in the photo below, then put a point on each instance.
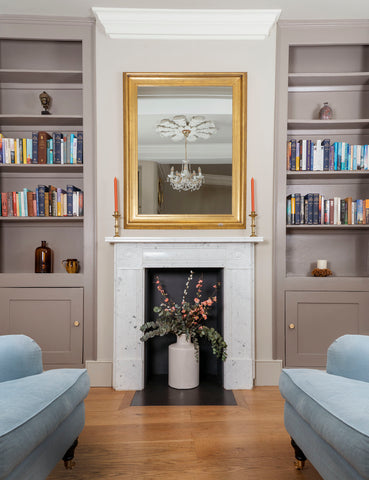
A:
(178, 128)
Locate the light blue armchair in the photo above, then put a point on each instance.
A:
(41, 413)
(327, 413)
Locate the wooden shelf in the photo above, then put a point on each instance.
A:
(348, 124)
(328, 79)
(26, 76)
(319, 174)
(41, 219)
(41, 280)
(47, 120)
(41, 168)
(327, 227)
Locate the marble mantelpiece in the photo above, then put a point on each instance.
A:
(132, 255)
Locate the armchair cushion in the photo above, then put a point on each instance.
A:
(28, 415)
(333, 406)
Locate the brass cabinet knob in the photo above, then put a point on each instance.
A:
(291, 326)
(76, 323)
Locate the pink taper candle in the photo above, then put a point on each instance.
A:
(115, 195)
(252, 194)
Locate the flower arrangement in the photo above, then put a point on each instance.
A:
(187, 317)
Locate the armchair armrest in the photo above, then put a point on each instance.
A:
(348, 356)
(20, 356)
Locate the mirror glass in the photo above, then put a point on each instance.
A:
(184, 150)
(184, 126)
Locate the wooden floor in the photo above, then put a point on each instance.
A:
(243, 442)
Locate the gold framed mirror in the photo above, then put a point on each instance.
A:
(184, 150)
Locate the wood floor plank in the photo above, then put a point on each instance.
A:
(247, 441)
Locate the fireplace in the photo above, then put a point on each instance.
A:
(133, 256)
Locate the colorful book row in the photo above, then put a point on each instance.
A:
(315, 209)
(43, 148)
(44, 202)
(323, 155)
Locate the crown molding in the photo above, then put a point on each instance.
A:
(153, 23)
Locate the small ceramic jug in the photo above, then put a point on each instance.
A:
(71, 265)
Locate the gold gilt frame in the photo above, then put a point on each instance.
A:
(237, 219)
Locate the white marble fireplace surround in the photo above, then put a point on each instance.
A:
(132, 255)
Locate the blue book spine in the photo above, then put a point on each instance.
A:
(79, 147)
(293, 154)
(297, 208)
(347, 157)
(57, 147)
(34, 147)
(41, 200)
(37, 204)
(326, 147)
(71, 147)
(70, 189)
(335, 145)
(315, 208)
(1, 149)
(309, 208)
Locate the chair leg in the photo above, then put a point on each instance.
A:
(299, 455)
(69, 456)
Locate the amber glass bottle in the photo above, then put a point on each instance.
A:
(43, 258)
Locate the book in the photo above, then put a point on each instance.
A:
(57, 139)
(43, 137)
(79, 147)
(34, 147)
(41, 200)
(4, 205)
(326, 143)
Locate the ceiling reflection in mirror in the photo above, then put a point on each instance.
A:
(184, 149)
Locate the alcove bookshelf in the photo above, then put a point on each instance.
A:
(315, 65)
(56, 309)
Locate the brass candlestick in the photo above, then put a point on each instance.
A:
(253, 224)
(116, 223)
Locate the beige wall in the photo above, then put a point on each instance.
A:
(257, 58)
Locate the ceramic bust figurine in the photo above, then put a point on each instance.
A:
(45, 102)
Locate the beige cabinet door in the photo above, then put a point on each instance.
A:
(315, 319)
(53, 317)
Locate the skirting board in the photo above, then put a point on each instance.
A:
(100, 373)
(267, 372)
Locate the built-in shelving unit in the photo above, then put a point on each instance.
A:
(56, 309)
(315, 66)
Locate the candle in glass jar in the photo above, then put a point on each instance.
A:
(321, 264)
(252, 194)
(115, 195)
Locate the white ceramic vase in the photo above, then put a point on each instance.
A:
(183, 365)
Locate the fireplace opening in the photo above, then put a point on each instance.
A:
(156, 390)
(173, 282)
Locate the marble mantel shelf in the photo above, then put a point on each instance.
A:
(202, 239)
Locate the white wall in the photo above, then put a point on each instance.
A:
(257, 58)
